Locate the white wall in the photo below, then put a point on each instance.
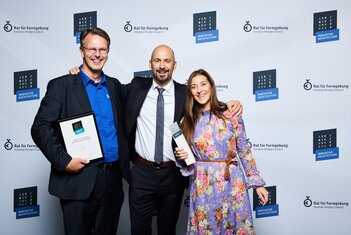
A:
(231, 60)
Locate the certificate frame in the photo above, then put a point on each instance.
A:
(81, 136)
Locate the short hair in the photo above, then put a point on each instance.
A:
(94, 31)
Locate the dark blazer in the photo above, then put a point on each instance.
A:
(66, 96)
(136, 92)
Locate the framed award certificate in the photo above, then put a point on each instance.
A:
(81, 136)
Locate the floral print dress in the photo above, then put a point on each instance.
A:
(220, 204)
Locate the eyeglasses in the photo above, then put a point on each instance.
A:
(94, 50)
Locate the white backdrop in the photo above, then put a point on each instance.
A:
(289, 120)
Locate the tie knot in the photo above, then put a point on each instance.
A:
(160, 90)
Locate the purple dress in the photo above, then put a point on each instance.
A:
(219, 205)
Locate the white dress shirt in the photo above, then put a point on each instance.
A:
(146, 124)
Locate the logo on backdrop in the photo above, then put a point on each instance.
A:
(128, 27)
(324, 145)
(247, 27)
(336, 87)
(307, 85)
(25, 85)
(143, 74)
(25, 202)
(8, 145)
(249, 144)
(204, 27)
(221, 87)
(264, 28)
(8, 27)
(307, 202)
(84, 20)
(264, 85)
(325, 204)
(269, 147)
(271, 208)
(325, 26)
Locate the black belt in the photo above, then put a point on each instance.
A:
(108, 165)
(154, 165)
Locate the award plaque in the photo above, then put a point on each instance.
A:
(181, 142)
(81, 136)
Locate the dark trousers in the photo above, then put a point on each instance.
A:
(99, 214)
(155, 191)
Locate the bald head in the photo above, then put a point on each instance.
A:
(162, 64)
(162, 48)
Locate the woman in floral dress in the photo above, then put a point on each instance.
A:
(219, 201)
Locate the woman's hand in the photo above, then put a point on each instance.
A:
(180, 154)
(262, 195)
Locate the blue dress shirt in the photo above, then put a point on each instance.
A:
(101, 105)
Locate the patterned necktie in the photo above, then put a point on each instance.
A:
(159, 127)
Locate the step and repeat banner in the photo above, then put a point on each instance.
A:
(287, 62)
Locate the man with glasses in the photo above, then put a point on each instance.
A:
(155, 186)
(91, 193)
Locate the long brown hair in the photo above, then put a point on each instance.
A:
(192, 109)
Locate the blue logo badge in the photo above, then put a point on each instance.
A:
(324, 145)
(204, 25)
(325, 26)
(85, 20)
(264, 85)
(25, 202)
(25, 85)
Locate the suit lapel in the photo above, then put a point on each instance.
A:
(141, 94)
(81, 94)
(112, 93)
(179, 102)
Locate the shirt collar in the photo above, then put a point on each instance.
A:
(168, 88)
(86, 79)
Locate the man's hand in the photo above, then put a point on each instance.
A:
(74, 70)
(235, 107)
(76, 164)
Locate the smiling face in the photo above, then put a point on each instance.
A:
(201, 91)
(94, 53)
(162, 64)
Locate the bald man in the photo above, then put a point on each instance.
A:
(155, 187)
